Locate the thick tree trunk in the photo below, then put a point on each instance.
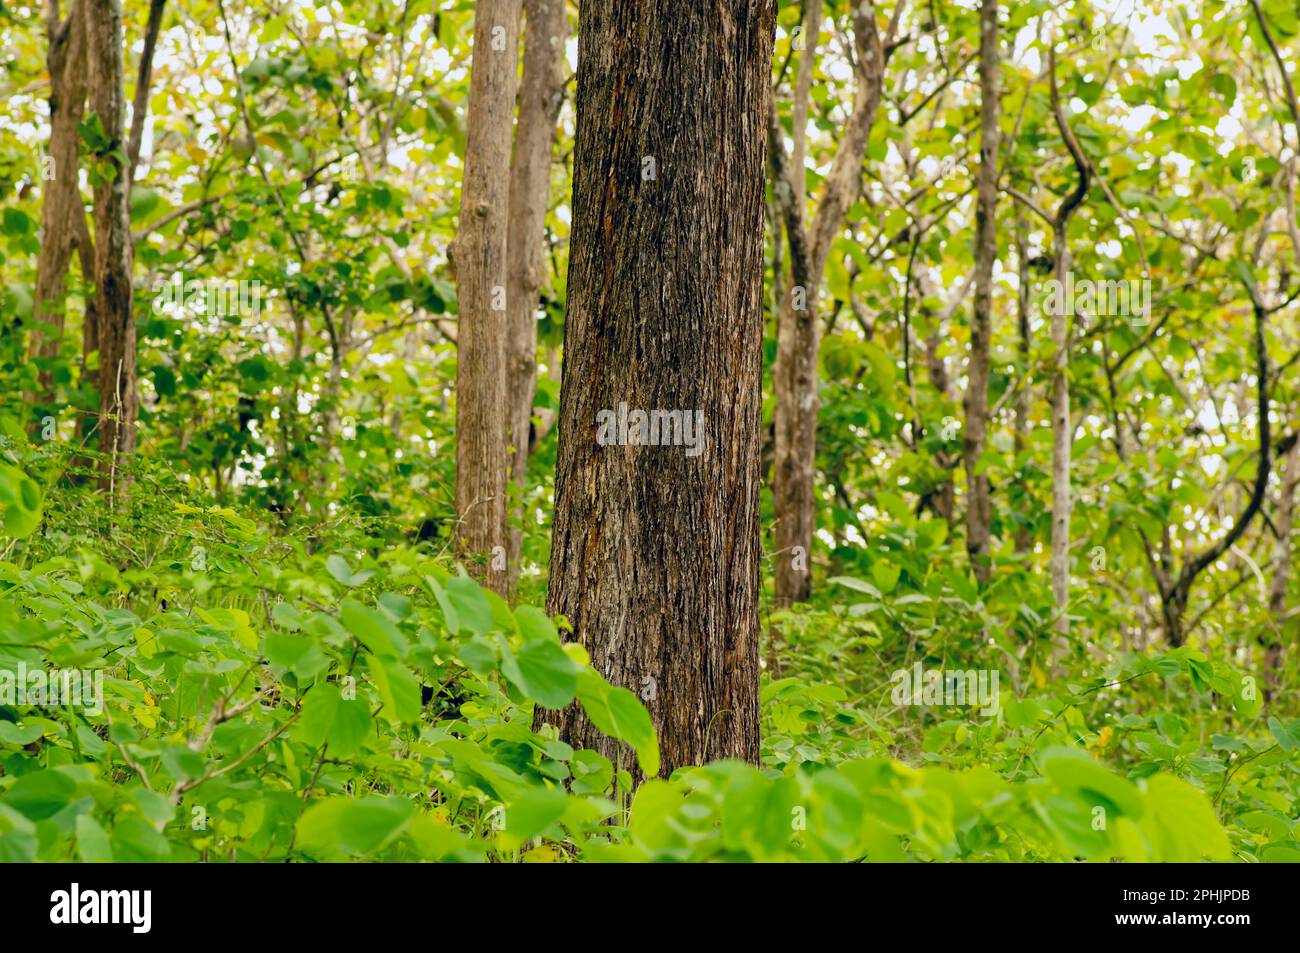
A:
(540, 98)
(119, 400)
(655, 553)
(61, 204)
(979, 514)
(479, 258)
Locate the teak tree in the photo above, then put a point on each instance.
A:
(979, 506)
(119, 399)
(655, 555)
(479, 258)
(540, 97)
(798, 330)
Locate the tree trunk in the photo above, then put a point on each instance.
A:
(119, 400)
(798, 329)
(1284, 522)
(1062, 329)
(796, 401)
(479, 258)
(540, 98)
(979, 514)
(655, 553)
(1061, 436)
(87, 422)
(1024, 539)
(61, 203)
(942, 497)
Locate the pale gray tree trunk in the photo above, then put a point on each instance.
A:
(798, 329)
(61, 203)
(479, 259)
(540, 98)
(119, 400)
(979, 512)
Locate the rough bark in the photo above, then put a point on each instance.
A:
(541, 95)
(655, 553)
(479, 259)
(979, 514)
(61, 204)
(119, 400)
(798, 329)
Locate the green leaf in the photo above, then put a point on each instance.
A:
(135, 840)
(620, 714)
(93, 845)
(1077, 775)
(40, 794)
(353, 827)
(471, 605)
(885, 575)
(341, 571)
(1180, 822)
(327, 717)
(544, 673)
(372, 629)
(449, 614)
(535, 624)
(531, 814)
(295, 653)
(1285, 738)
(398, 689)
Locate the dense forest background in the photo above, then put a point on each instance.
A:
(973, 539)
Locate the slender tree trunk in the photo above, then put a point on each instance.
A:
(1062, 329)
(655, 553)
(87, 422)
(979, 515)
(479, 258)
(1061, 435)
(798, 329)
(143, 79)
(119, 400)
(1023, 537)
(1284, 523)
(61, 203)
(540, 98)
(942, 497)
(794, 383)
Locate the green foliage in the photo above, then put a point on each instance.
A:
(360, 699)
